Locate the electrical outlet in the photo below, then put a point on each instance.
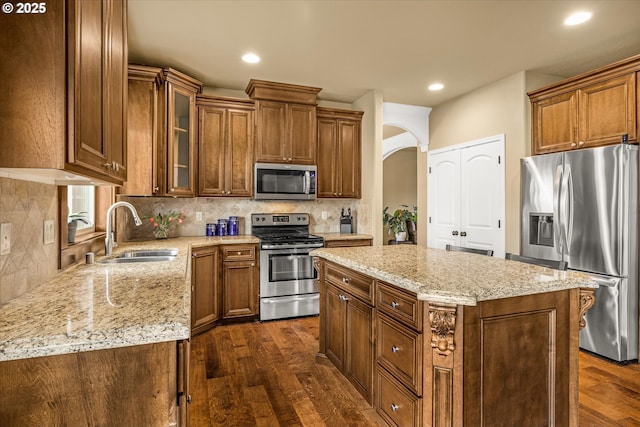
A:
(324, 214)
(48, 231)
(5, 238)
(198, 216)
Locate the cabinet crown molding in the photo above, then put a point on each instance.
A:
(625, 66)
(286, 92)
(145, 73)
(174, 76)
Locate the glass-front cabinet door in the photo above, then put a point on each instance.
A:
(180, 144)
(177, 163)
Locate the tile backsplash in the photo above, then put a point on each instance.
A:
(214, 208)
(26, 205)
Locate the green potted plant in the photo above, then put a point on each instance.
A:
(72, 225)
(397, 222)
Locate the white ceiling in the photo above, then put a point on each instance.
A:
(351, 47)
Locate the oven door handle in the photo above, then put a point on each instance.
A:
(276, 300)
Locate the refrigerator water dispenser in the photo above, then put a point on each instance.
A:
(541, 229)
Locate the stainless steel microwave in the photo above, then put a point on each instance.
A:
(274, 181)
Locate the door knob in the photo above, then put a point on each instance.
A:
(455, 233)
(463, 233)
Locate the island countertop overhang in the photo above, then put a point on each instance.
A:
(446, 277)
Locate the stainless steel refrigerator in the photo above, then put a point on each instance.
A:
(582, 207)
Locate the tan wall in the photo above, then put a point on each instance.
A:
(370, 205)
(25, 205)
(400, 179)
(501, 107)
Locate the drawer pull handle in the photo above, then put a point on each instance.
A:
(394, 407)
(395, 349)
(394, 304)
(343, 298)
(345, 280)
(239, 253)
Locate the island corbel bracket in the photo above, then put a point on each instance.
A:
(587, 299)
(442, 319)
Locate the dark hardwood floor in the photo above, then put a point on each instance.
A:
(266, 374)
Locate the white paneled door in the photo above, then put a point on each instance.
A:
(465, 205)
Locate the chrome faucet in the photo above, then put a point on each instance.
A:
(109, 241)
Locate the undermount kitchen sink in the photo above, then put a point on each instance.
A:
(143, 255)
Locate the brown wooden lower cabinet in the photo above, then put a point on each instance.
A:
(349, 326)
(510, 361)
(224, 285)
(145, 385)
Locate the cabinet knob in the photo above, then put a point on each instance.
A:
(345, 280)
(573, 145)
(253, 264)
(580, 144)
(289, 159)
(156, 189)
(339, 194)
(229, 192)
(454, 233)
(394, 349)
(107, 165)
(222, 192)
(335, 194)
(394, 304)
(463, 233)
(188, 398)
(284, 158)
(394, 407)
(239, 253)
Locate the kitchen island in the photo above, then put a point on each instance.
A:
(102, 344)
(440, 338)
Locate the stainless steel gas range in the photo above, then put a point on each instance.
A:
(288, 281)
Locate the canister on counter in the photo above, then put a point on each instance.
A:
(222, 227)
(211, 229)
(232, 226)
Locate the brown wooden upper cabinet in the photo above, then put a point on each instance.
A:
(285, 122)
(589, 110)
(65, 80)
(162, 130)
(339, 153)
(225, 146)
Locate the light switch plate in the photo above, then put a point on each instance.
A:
(48, 231)
(5, 238)
(198, 216)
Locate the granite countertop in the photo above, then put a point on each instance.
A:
(343, 236)
(100, 306)
(461, 278)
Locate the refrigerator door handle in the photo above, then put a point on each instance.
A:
(569, 209)
(557, 194)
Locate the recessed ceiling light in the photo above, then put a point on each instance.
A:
(577, 18)
(251, 58)
(436, 86)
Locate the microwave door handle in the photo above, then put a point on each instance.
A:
(307, 182)
(557, 218)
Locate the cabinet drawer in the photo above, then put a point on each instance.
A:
(359, 285)
(239, 253)
(346, 243)
(399, 350)
(395, 404)
(400, 305)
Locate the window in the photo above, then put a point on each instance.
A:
(81, 203)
